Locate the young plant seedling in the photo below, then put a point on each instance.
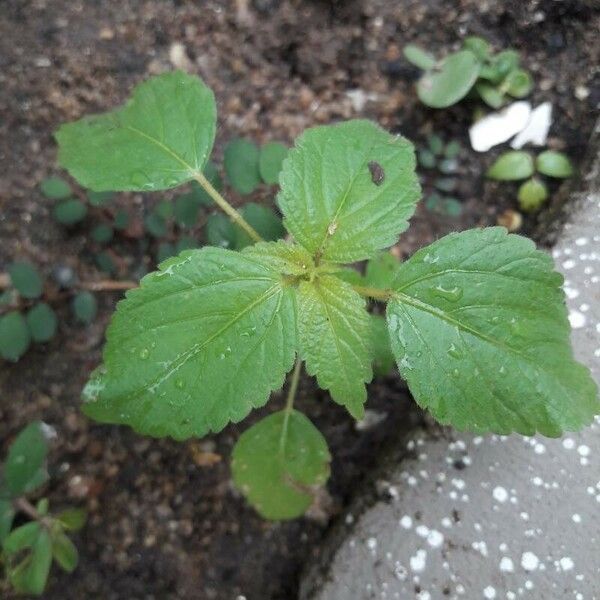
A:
(477, 320)
(473, 70)
(27, 549)
(518, 165)
(440, 162)
(26, 318)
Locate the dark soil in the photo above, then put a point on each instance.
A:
(165, 522)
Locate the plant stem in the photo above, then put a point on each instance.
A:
(289, 404)
(26, 507)
(233, 214)
(108, 285)
(376, 294)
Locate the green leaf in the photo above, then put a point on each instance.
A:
(264, 220)
(512, 166)
(335, 341)
(554, 164)
(220, 231)
(383, 358)
(241, 160)
(26, 279)
(105, 262)
(102, 234)
(270, 161)
(7, 514)
(490, 94)
(42, 322)
(25, 467)
(69, 212)
(532, 194)
(21, 537)
(451, 82)
(55, 188)
(155, 225)
(284, 258)
(100, 198)
(31, 574)
(452, 149)
(518, 83)
(187, 209)
(175, 342)
(159, 139)
(435, 143)
(381, 271)
(333, 204)
(72, 519)
(164, 209)
(480, 332)
(121, 220)
(478, 46)
(419, 57)
(64, 551)
(85, 307)
(279, 463)
(42, 506)
(14, 336)
(506, 61)
(445, 184)
(427, 159)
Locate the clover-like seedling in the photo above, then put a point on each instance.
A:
(26, 314)
(517, 165)
(472, 71)
(440, 162)
(27, 317)
(27, 549)
(476, 321)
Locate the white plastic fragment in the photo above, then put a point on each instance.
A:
(536, 130)
(499, 127)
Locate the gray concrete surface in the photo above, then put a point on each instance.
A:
(491, 517)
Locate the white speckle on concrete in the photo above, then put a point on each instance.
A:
(529, 561)
(506, 565)
(566, 563)
(435, 539)
(418, 561)
(576, 319)
(406, 522)
(489, 592)
(500, 494)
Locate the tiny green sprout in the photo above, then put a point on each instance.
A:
(532, 194)
(102, 234)
(70, 212)
(241, 161)
(472, 71)
(512, 166)
(26, 279)
(15, 336)
(104, 261)
(42, 322)
(554, 164)
(516, 165)
(27, 550)
(476, 321)
(441, 162)
(270, 161)
(55, 188)
(100, 198)
(85, 307)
